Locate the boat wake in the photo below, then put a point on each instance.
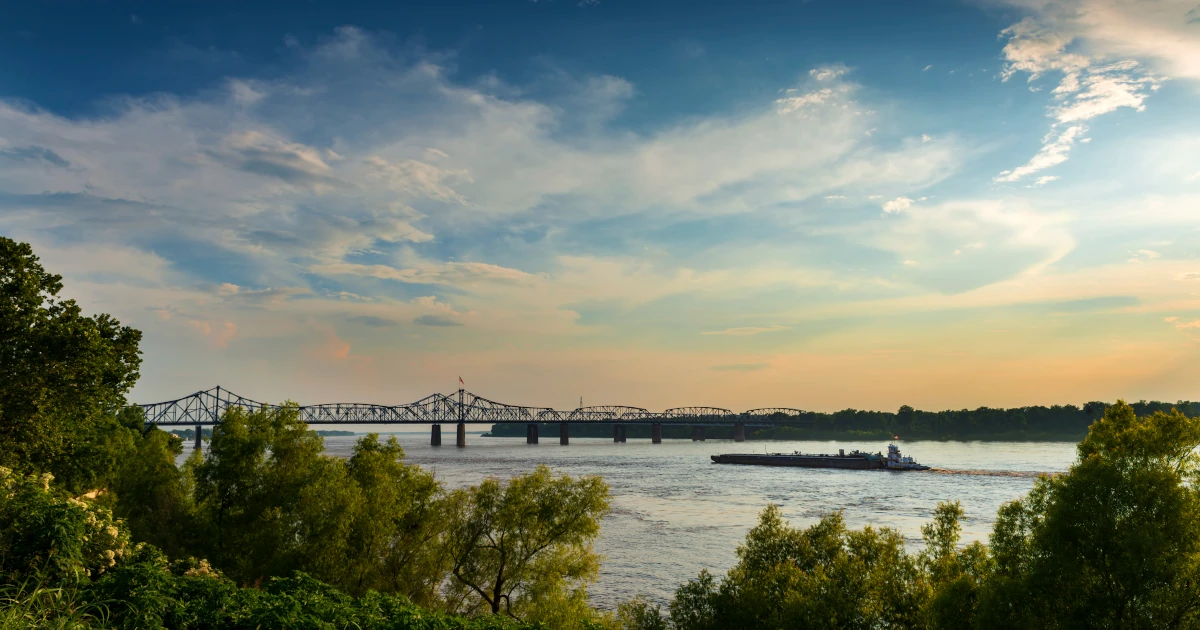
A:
(992, 473)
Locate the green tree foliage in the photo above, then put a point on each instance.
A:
(523, 548)
(268, 502)
(63, 378)
(825, 576)
(1112, 543)
(155, 593)
(955, 575)
(395, 543)
(1115, 542)
(153, 495)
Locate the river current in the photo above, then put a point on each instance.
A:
(674, 512)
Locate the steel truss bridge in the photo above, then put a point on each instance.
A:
(208, 406)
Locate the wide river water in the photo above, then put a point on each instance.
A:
(674, 512)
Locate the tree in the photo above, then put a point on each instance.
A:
(154, 496)
(825, 576)
(1114, 542)
(395, 541)
(267, 501)
(955, 575)
(63, 378)
(524, 547)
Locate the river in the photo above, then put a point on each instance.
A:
(674, 512)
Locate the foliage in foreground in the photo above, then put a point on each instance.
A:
(1112, 543)
(66, 563)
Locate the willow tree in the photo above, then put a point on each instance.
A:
(523, 548)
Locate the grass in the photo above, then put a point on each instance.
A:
(34, 605)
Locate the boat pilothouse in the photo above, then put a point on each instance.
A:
(895, 461)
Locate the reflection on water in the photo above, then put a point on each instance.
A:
(674, 512)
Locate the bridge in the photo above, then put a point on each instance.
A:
(461, 408)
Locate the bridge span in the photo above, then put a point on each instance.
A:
(462, 408)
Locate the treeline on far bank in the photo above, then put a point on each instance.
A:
(1035, 423)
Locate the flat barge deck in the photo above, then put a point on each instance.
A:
(855, 460)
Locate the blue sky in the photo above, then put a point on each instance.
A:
(810, 204)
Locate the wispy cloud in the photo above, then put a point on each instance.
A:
(1087, 89)
(745, 331)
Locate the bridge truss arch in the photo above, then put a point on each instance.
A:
(207, 407)
(698, 414)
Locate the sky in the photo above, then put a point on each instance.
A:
(810, 204)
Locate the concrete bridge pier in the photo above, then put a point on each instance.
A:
(739, 433)
(199, 436)
(563, 435)
(531, 433)
(656, 433)
(462, 434)
(435, 435)
(618, 433)
(697, 434)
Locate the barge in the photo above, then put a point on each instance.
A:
(854, 460)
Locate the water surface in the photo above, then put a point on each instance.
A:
(674, 512)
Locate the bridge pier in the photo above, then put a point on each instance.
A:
(739, 432)
(531, 433)
(563, 434)
(697, 434)
(199, 436)
(618, 433)
(435, 435)
(656, 433)
(462, 434)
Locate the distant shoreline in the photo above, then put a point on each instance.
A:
(549, 431)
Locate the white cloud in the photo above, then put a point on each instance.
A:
(927, 68)
(1045, 179)
(828, 73)
(1161, 32)
(1088, 87)
(1055, 150)
(899, 204)
(450, 273)
(272, 203)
